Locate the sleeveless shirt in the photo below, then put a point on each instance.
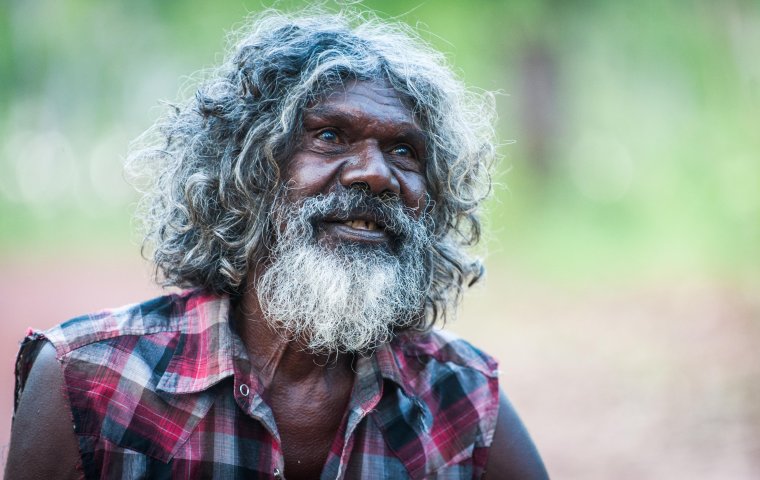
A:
(164, 389)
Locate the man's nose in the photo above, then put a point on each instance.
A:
(369, 167)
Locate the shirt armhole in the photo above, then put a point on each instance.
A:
(27, 354)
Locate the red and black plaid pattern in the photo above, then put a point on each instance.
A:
(164, 389)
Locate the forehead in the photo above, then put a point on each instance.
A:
(373, 100)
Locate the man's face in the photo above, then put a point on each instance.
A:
(348, 265)
(360, 137)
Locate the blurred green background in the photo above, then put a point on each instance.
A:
(636, 123)
(632, 185)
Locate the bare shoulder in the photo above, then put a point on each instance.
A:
(513, 454)
(43, 443)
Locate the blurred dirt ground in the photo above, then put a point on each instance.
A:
(615, 381)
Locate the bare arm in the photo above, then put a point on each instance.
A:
(513, 454)
(43, 444)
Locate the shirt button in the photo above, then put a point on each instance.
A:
(277, 473)
(244, 390)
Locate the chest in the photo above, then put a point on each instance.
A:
(230, 440)
(308, 419)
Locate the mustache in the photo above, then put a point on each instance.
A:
(341, 205)
(387, 213)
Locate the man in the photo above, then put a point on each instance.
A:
(315, 199)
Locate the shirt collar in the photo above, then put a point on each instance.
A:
(387, 362)
(204, 351)
(207, 346)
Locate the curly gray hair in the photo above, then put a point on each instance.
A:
(214, 164)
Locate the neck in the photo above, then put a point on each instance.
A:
(273, 354)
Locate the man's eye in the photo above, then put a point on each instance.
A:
(328, 135)
(403, 151)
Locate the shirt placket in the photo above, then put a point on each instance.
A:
(248, 396)
(368, 389)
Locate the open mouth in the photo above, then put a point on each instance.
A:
(359, 228)
(362, 225)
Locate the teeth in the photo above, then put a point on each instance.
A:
(361, 224)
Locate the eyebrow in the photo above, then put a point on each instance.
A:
(405, 129)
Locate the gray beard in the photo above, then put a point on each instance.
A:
(350, 297)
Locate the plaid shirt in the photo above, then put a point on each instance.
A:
(164, 389)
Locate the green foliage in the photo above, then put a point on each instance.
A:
(635, 122)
